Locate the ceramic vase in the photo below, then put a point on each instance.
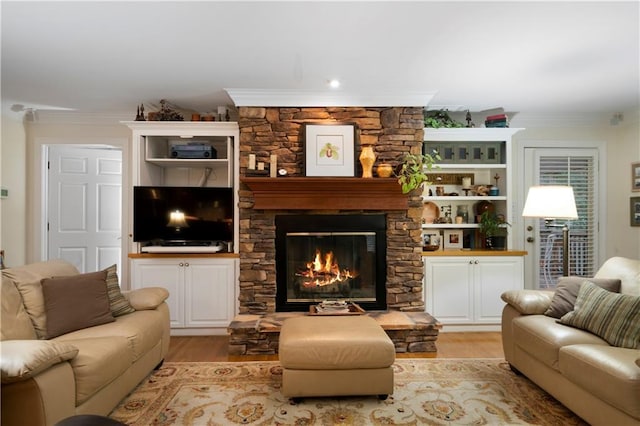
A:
(384, 170)
(367, 158)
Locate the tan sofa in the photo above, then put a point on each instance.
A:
(86, 371)
(596, 380)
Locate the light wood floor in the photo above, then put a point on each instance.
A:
(449, 345)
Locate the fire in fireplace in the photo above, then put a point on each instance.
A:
(322, 272)
(321, 257)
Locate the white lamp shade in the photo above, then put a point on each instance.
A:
(550, 202)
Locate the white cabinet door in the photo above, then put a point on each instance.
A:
(201, 291)
(167, 273)
(209, 292)
(449, 289)
(493, 276)
(466, 290)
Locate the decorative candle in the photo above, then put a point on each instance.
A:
(252, 161)
(273, 165)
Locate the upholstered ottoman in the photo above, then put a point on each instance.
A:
(335, 356)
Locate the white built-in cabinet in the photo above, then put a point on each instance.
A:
(200, 294)
(202, 286)
(462, 286)
(466, 290)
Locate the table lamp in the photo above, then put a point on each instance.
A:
(551, 202)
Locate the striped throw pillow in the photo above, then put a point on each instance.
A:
(117, 302)
(612, 316)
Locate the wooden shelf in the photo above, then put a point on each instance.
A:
(475, 252)
(326, 193)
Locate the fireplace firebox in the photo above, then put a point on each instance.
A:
(327, 257)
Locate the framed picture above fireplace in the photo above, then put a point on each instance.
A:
(330, 150)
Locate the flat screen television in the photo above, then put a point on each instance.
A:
(207, 213)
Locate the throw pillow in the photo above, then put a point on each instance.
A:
(76, 302)
(567, 291)
(118, 303)
(612, 316)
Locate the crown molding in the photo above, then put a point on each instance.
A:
(75, 117)
(300, 98)
(548, 120)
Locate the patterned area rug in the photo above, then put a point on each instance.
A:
(427, 392)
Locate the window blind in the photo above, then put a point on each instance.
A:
(580, 173)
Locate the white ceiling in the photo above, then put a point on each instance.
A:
(109, 57)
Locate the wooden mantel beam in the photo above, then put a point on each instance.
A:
(326, 193)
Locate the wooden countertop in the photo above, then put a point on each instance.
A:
(468, 252)
(181, 255)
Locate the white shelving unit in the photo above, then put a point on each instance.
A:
(462, 288)
(202, 285)
(469, 139)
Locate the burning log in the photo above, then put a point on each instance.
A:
(323, 271)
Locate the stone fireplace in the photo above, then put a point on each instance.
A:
(264, 201)
(392, 131)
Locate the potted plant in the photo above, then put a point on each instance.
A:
(414, 170)
(493, 227)
(439, 119)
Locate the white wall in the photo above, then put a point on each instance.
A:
(622, 143)
(622, 238)
(66, 128)
(12, 177)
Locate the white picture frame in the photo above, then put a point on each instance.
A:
(452, 239)
(330, 150)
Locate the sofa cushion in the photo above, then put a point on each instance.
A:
(528, 302)
(567, 290)
(628, 270)
(76, 302)
(542, 337)
(22, 359)
(100, 361)
(118, 303)
(606, 372)
(147, 298)
(142, 329)
(27, 279)
(612, 316)
(15, 323)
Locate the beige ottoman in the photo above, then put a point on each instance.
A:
(335, 356)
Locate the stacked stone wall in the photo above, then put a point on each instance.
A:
(392, 131)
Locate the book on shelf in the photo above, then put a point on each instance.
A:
(496, 117)
(498, 122)
(502, 124)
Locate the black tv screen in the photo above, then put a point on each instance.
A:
(208, 214)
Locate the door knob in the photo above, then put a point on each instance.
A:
(530, 239)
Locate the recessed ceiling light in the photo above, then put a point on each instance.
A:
(334, 83)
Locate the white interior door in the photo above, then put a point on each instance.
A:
(577, 167)
(84, 186)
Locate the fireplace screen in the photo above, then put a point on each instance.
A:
(331, 266)
(319, 265)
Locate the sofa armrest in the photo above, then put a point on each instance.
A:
(147, 298)
(23, 359)
(528, 302)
